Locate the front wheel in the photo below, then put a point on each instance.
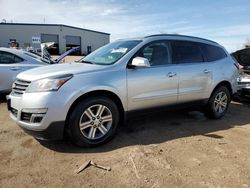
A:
(93, 121)
(218, 103)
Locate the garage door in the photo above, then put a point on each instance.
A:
(73, 41)
(51, 38)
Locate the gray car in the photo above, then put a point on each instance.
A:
(89, 99)
(12, 62)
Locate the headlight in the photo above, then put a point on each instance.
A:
(48, 84)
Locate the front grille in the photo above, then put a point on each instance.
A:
(244, 83)
(20, 86)
(13, 111)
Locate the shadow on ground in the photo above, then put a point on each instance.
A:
(2, 98)
(162, 127)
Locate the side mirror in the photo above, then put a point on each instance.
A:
(140, 62)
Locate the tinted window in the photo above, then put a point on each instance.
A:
(157, 53)
(7, 58)
(212, 53)
(186, 52)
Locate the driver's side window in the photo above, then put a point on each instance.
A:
(157, 53)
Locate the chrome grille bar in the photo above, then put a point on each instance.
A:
(20, 86)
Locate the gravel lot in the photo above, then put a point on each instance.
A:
(170, 149)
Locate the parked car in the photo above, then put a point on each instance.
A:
(88, 100)
(12, 62)
(243, 58)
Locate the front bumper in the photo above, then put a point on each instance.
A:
(40, 115)
(55, 131)
(244, 83)
(244, 86)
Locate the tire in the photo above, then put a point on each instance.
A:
(218, 103)
(93, 121)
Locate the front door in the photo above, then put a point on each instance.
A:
(155, 85)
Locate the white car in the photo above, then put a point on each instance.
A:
(12, 62)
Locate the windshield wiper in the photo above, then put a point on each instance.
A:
(88, 62)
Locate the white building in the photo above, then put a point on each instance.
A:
(64, 36)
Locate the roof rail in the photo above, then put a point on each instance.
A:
(177, 35)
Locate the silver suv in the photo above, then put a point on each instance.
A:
(89, 99)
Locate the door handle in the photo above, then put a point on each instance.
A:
(15, 68)
(171, 74)
(206, 71)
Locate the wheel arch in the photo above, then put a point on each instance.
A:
(225, 83)
(95, 93)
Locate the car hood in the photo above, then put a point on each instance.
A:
(242, 56)
(59, 69)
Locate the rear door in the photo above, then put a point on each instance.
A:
(155, 85)
(10, 66)
(195, 76)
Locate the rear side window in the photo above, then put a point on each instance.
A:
(186, 52)
(8, 58)
(212, 53)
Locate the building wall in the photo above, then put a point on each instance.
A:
(24, 33)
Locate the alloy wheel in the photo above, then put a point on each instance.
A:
(95, 122)
(220, 102)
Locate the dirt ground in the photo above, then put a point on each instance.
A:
(170, 149)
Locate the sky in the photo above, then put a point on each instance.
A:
(226, 21)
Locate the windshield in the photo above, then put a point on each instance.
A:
(110, 53)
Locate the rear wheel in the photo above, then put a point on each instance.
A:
(218, 103)
(93, 121)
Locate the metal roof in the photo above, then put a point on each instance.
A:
(55, 25)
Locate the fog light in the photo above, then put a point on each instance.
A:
(33, 115)
(36, 118)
